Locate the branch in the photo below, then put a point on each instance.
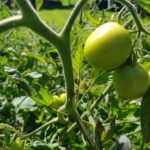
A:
(10, 23)
(133, 12)
(134, 15)
(97, 101)
(40, 128)
(83, 129)
(73, 16)
(26, 8)
(33, 21)
(98, 132)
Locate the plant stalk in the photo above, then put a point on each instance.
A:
(10, 23)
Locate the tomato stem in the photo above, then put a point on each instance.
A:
(73, 16)
(11, 22)
(54, 120)
(131, 9)
(83, 129)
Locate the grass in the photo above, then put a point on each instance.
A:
(66, 2)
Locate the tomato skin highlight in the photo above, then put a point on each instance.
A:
(108, 46)
(131, 81)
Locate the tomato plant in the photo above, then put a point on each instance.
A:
(39, 61)
(131, 81)
(108, 46)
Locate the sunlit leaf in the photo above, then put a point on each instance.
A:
(77, 59)
(43, 97)
(24, 102)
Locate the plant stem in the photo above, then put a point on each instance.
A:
(73, 16)
(98, 132)
(32, 20)
(40, 128)
(91, 108)
(11, 22)
(83, 129)
(65, 54)
(133, 12)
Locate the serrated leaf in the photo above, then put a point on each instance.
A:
(43, 97)
(90, 18)
(145, 4)
(102, 77)
(32, 55)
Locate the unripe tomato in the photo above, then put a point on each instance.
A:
(63, 96)
(131, 81)
(56, 98)
(58, 101)
(108, 46)
(16, 145)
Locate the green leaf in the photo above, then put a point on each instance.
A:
(24, 102)
(77, 59)
(32, 55)
(145, 4)
(43, 97)
(38, 4)
(34, 75)
(94, 21)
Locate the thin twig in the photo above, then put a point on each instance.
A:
(40, 128)
(10, 23)
(83, 129)
(73, 16)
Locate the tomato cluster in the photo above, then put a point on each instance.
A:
(108, 48)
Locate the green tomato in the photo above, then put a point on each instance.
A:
(58, 101)
(63, 97)
(131, 81)
(108, 46)
(16, 145)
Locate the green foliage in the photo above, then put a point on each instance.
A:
(145, 4)
(31, 73)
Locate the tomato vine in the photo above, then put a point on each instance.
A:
(62, 42)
